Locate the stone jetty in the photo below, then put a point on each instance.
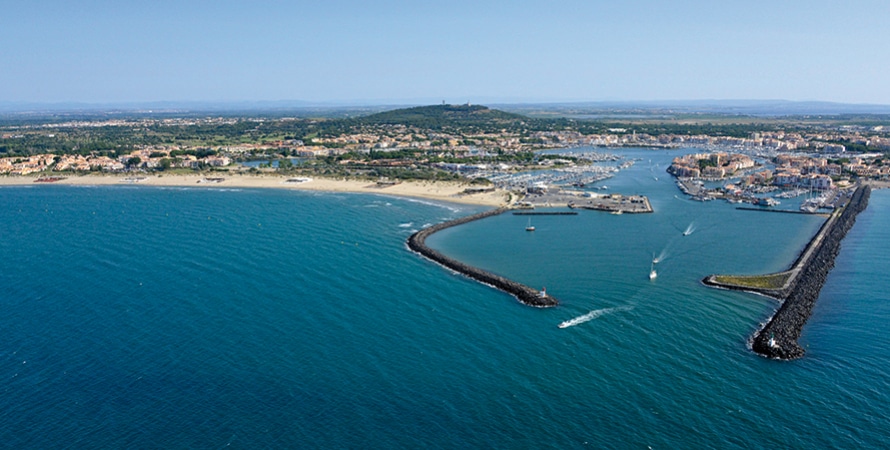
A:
(778, 338)
(545, 213)
(525, 294)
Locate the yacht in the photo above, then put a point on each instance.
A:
(529, 227)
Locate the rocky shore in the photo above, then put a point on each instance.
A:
(525, 294)
(778, 338)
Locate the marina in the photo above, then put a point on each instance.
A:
(562, 169)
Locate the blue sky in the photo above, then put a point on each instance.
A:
(346, 51)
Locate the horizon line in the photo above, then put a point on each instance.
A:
(727, 105)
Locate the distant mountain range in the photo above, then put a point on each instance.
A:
(728, 107)
(302, 108)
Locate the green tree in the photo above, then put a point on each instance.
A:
(702, 163)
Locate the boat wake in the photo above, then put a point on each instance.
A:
(661, 257)
(593, 315)
(425, 202)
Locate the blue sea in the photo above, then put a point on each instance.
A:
(142, 317)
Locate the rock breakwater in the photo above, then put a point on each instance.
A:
(778, 338)
(525, 294)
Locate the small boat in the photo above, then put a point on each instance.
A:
(652, 273)
(529, 227)
(809, 209)
(616, 212)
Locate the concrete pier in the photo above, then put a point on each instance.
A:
(525, 294)
(612, 202)
(615, 203)
(778, 338)
(782, 211)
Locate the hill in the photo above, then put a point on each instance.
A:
(441, 116)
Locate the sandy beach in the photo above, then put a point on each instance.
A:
(441, 191)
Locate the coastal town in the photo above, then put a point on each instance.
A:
(544, 162)
(445, 224)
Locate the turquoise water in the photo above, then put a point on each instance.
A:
(147, 317)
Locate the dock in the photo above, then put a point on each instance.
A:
(784, 211)
(616, 204)
(613, 202)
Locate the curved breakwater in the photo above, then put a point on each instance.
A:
(778, 338)
(525, 294)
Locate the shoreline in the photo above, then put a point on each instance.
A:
(445, 191)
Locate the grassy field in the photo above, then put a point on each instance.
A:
(772, 281)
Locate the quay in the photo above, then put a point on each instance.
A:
(784, 211)
(798, 288)
(614, 202)
(523, 293)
